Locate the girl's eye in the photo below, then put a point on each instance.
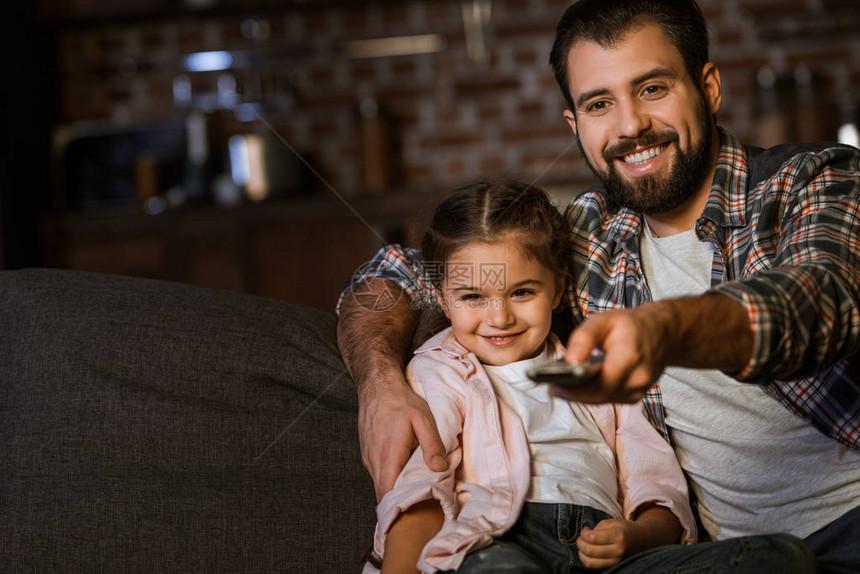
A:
(522, 293)
(471, 299)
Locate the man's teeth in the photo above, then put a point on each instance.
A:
(643, 156)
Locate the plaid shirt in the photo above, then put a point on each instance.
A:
(786, 224)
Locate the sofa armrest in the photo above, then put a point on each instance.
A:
(148, 426)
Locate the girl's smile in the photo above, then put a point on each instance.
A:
(502, 340)
(501, 316)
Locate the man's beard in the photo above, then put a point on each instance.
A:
(653, 194)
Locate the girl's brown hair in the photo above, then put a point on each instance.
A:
(487, 211)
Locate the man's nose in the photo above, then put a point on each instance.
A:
(631, 120)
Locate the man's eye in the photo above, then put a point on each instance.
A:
(653, 90)
(598, 106)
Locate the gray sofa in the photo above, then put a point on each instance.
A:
(149, 426)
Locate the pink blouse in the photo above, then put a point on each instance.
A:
(487, 479)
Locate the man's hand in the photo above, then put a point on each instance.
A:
(634, 355)
(392, 419)
(392, 422)
(711, 331)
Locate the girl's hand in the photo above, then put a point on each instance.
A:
(613, 540)
(610, 542)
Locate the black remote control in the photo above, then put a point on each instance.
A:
(567, 374)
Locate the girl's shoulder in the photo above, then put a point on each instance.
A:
(443, 358)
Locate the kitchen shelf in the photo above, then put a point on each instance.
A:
(300, 250)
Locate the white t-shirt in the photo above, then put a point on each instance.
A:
(570, 460)
(755, 467)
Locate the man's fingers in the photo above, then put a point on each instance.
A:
(591, 392)
(628, 369)
(583, 341)
(390, 428)
(431, 443)
(385, 479)
(384, 449)
(597, 391)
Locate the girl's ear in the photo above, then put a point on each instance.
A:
(559, 291)
(443, 302)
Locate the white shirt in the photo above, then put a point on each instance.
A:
(754, 466)
(570, 460)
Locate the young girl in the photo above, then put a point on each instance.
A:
(534, 483)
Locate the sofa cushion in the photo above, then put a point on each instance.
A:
(148, 426)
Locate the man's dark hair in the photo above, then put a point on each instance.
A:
(607, 21)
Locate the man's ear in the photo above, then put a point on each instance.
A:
(712, 87)
(571, 120)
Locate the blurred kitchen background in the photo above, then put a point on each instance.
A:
(271, 146)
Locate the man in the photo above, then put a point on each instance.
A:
(727, 275)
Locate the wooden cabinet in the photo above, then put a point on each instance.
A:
(300, 251)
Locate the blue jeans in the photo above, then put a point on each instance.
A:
(837, 546)
(543, 540)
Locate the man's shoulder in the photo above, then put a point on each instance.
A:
(592, 216)
(593, 193)
(592, 202)
(764, 163)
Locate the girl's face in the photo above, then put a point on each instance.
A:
(499, 302)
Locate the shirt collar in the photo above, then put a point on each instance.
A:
(625, 227)
(446, 343)
(726, 205)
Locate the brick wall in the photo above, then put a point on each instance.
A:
(452, 118)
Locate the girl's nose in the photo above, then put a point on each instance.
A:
(500, 315)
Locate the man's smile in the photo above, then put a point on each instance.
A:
(641, 160)
(643, 156)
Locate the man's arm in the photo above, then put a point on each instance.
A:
(374, 331)
(797, 280)
(711, 331)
